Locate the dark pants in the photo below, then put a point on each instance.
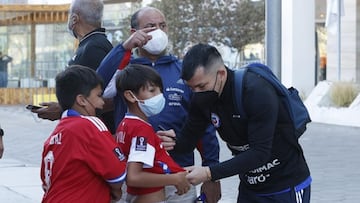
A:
(301, 196)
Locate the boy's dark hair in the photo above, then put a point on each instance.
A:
(136, 76)
(75, 80)
(199, 55)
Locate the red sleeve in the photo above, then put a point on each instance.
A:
(125, 60)
(105, 157)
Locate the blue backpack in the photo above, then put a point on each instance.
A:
(289, 96)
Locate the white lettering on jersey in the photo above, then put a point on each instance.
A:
(266, 166)
(120, 137)
(48, 160)
(262, 177)
(55, 139)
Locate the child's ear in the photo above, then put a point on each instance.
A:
(80, 100)
(129, 96)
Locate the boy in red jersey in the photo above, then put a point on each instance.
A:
(150, 168)
(80, 160)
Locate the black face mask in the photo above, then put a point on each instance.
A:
(205, 99)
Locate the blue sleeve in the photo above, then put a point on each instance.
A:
(199, 133)
(117, 58)
(208, 147)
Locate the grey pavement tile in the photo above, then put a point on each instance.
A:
(332, 153)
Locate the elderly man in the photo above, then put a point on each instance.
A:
(84, 23)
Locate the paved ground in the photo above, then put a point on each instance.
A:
(332, 152)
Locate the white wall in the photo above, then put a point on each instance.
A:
(298, 45)
(349, 43)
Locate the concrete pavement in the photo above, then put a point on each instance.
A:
(332, 152)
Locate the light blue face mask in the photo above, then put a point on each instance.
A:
(153, 105)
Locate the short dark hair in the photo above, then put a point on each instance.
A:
(75, 80)
(199, 55)
(134, 22)
(136, 76)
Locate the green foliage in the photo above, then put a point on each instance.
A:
(234, 23)
(342, 94)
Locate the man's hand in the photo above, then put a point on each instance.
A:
(198, 174)
(138, 38)
(168, 138)
(212, 191)
(51, 111)
(182, 184)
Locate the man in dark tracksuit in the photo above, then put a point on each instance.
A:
(267, 156)
(176, 93)
(93, 47)
(84, 23)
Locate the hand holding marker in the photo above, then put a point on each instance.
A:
(163, 129)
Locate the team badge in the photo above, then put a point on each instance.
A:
(141, 143)
(215, 120)
(119, 154)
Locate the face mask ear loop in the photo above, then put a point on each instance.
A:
(215, 81)
(132, 94)
(90, 103)
(85, 107)
(220, 88)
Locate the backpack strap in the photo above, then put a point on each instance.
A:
(265, 72)
(238, 90)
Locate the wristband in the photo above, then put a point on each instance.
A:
(1, 132)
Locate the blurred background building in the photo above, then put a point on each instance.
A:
(34, 33)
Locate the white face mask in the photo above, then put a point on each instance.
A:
(158, 43)
(152, 106)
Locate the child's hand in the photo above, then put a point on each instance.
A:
(182, 184)
(116, 195)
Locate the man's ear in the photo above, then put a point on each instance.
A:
(222, 72)
(128, 95)
(80, 100)
(74, 18)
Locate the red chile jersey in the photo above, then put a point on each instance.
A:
(139, 143)
(79, 160)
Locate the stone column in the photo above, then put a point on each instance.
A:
(298, 45)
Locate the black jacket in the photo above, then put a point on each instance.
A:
(92, 49)
(266, 155)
